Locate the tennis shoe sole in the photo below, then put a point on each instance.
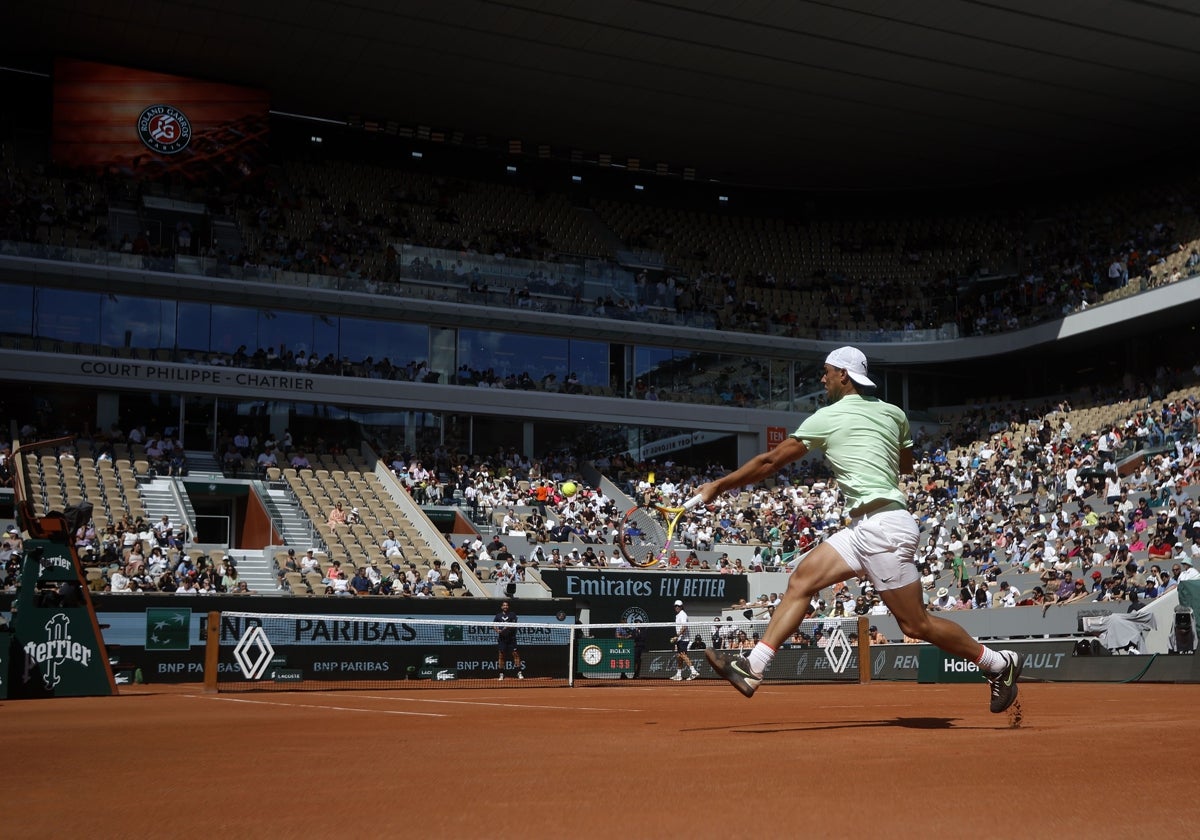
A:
(735, 669)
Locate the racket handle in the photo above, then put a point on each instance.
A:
(693, 502)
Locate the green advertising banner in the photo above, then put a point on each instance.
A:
(56, 644)
(168, 629)
(610, 658)
(937, 666)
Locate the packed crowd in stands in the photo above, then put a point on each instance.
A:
(135, 556)
(1079, 254)
(1000, 495)
(1074, 255)
(1069, 258)
(1015, 491)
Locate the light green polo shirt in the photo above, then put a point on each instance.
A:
(862, 438)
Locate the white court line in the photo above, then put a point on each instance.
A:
(485, 703)
(313, 706)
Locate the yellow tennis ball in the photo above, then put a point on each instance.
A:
(569, 488)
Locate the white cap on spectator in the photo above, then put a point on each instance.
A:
(851, 360)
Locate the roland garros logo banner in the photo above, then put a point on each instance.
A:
(143, 124)
(164, 129)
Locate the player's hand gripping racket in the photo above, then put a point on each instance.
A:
(667, 514)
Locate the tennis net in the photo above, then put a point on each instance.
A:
(249, 651)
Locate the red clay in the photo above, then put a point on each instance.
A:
(656, 760)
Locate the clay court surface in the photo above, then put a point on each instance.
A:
(653, 760)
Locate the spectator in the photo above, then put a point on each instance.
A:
(361, 583)
(337, 516)
(942, 600)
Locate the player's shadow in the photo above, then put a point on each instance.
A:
(922, 723)
(811, 726)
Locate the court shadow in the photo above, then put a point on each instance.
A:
(814, 725)
(923, 723)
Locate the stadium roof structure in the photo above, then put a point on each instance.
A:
(820, 94)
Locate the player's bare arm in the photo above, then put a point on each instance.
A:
(757, 468)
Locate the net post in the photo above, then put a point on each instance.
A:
(212, 650)
(864, 650)
(571, 657)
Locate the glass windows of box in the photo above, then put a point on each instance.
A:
(385, 429)
(222, 330)
(326, 332)
(654, 370)
(282, 333)
(707, 378)
(385, 348)
(695, 376)
(502, 359)
(67, 316)
(18, 310)
(43, 409)
(155, 412)
(497, 434)
(192, 327)
(589, 361)
(456, 432)
(199, 423)
(808, 394)
(136, 322)
(781, 394)
(442, 342)
(581, 440)
(486, 357)
(233, 328)
(533, 362)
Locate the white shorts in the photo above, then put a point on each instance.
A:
(882, 546)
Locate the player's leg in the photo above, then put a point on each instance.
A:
(687, 663)
(500, 666)
(886, 547)
(1001, 667)
(516, 658)
(823, 566)
(678, 675)
(908, 608)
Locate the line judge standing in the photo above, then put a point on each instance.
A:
(682, 640)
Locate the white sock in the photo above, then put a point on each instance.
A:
(991, 662)
(760, 658)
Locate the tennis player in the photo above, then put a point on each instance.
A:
(682, 641)
(868, 445)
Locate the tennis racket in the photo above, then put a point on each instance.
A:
(640, 517)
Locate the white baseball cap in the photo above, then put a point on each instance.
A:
(679, 603)
(851, 360)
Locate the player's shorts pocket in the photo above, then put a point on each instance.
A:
(891, 532)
